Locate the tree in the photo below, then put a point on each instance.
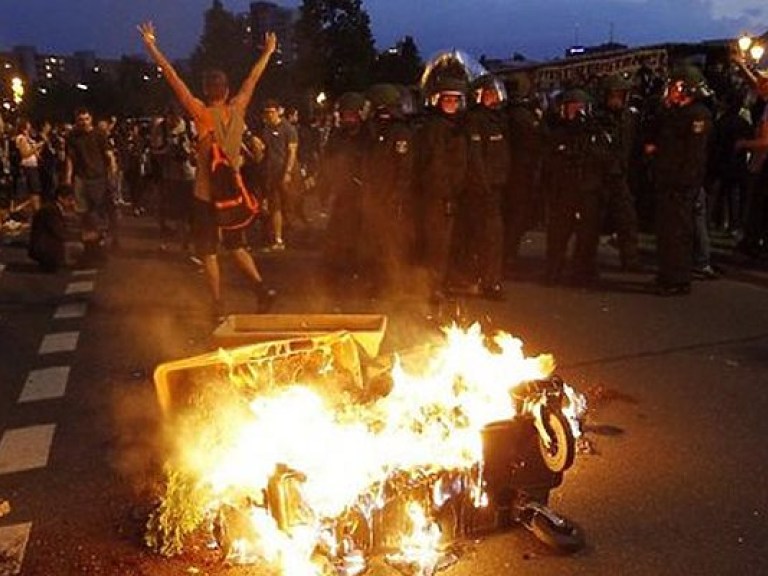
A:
(335, 48)
(224, 45)
(400, 64)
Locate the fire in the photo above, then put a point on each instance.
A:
(294, 470)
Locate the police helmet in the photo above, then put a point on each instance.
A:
(692, 78)
(575, 95)
(351, 102)
(519, 85)
(489, 82)
(384, 96)
(616, 82)
(449, 86)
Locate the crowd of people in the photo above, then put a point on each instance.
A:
(447, 181)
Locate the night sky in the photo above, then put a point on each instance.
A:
(496, 28)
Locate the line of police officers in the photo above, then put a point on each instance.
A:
(455, 189)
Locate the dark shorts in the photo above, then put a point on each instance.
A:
(207, 236)
(32, 178)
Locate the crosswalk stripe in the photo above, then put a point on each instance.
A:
(59, 342)
(86, 272)
(13, 544)
(45, 384)
(70, 310)
(82, 287)
(25, 448)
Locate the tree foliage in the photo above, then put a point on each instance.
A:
(401, 64)
(335, 47)
(224, 45)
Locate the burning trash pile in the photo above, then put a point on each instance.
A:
(297, 456)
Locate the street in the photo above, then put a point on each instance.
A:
(678, 390)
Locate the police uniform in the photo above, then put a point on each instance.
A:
(573, 167)
(520, 205)
(488, 176)
(342, 176)
(621, 127)
(387, 197)
(443, 159)
(679, 169)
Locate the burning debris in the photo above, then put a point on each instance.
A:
(291, 454)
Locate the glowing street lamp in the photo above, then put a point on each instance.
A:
(744, 43)
(756, 52)
(17, 89)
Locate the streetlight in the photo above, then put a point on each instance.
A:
(756, 52)
(744, 43)
(17, 88)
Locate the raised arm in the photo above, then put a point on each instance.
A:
(244, 95)
(191, 104)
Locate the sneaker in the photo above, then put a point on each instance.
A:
(278, 246)
(493, 292)
(672, 289)
(705, 273)
(266, 298)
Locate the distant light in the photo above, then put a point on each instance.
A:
(7, 66)
(7, 105)
(43, 90)
(321, 98)
(745, 42)
(48, 75)
(17, 88)
(757, 52)
(81, 86)
(96, 69)
(145, 78)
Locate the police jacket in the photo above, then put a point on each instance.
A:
(525, 139)
(389, 159)
(575, 154)
(681, 142)
(443, 156)
(488, 149)
(621, 128)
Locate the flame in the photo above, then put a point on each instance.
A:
(420, 547)
(431, 420)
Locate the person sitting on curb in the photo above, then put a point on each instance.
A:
(50, 244)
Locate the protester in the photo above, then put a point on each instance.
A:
(50, 244)
(219, 119)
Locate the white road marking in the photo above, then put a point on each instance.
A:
(25, 448)
(88, 272)
(45, 384)
(13, 544)
(59, 342)
(82, 287)
(70, 310)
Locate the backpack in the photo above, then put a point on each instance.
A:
(235, 206)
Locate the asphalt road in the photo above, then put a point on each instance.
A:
(679, 390)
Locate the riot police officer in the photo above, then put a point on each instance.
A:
(443, 159)
(488, 176)
(621, 124)
(341, 175)
(521, 205)
(573, 167)
(387, 191)
(680, 146)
